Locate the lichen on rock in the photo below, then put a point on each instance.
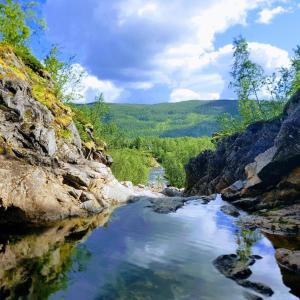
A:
(46, 172)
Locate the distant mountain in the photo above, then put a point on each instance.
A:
(189, 118)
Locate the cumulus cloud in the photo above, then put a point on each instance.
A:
(91, 87)
(179, 95)
(137, 45)
(267, 15)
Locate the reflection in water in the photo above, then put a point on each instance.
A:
(245, 240)
(37, 265)
(138, 255)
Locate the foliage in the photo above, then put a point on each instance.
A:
(131, 164)
(295, 71)
(247, 76)
(173, 153)
(250, 82)
(66, 76)
(18, 21)
(14, 22)
(29, 59)
(132, 156)
(188, 118)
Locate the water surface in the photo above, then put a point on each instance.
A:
(137, 254)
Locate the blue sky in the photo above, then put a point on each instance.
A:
(140, 51)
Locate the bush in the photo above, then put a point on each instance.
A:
(28, 59)
(131, 165)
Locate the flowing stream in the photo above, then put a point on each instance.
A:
(136, 253)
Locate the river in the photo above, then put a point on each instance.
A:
(135, 253)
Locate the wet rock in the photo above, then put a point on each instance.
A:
(284, 221)
(206, 199)
(248, 204)
(230, 210)
(231, 266)
(167, 204)
(234, 191)
(250, 296)
(256, 256)
(288, 259)
(257, 287)
(172, 192)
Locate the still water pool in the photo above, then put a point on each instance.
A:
(137, 254)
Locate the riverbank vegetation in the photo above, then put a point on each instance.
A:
(261, 96)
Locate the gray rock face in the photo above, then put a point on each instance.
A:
(257, 169)
(211, 172)
(44, 174)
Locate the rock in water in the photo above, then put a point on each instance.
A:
(231, 266)
(230, 210)
(289, 259)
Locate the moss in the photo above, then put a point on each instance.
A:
(11, 71)
(64, 134)
(90, 145)
(5, 148)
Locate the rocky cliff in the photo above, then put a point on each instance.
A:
(46, 172)
(258, 169)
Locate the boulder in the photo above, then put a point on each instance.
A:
(172, 192)
(288, 259)
(230, 210)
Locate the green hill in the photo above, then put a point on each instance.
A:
(189, 118)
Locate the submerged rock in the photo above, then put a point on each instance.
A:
(257, 287)
(237, 269)
(165, 205)
(250, 296)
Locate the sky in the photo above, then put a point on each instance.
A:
(138, 51)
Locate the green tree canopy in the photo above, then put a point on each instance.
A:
(18, 20)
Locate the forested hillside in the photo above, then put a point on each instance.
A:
(189, 118)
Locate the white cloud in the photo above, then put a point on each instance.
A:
(206, 77)
(270, 57)
(140, 85)
(179, 95)
(153, 44)
(267, 15)
(91, 87)
(148, 8)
